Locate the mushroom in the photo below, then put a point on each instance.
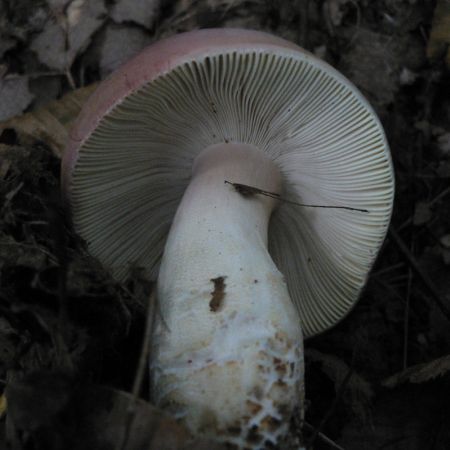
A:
(151, 174)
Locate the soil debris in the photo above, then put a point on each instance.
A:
(66, 323)
(218, 294)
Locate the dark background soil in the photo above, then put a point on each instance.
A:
(64, 323)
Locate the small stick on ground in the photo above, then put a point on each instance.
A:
(322, 437)
(140, 372)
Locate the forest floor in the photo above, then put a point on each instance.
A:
(378, 380)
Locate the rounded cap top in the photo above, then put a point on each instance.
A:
(130, 155)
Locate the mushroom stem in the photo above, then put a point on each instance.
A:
(227, 347)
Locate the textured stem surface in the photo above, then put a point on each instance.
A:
(227, 348)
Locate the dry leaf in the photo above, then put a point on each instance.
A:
(119, 45)
(3, 406)
(407, 77)
(14, 96)
(45, 89)
(440, 31)
(143, 12)
(151, 429)
(68, 32)
(358, 391)
(334, 11)
(6, 44)
(99, 415)
(420, 373)
(52, 123)
(374, 62)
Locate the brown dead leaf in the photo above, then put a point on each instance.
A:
(151, 428)
(48, 408)
(440, 31)
(3, 406)
(51, 123)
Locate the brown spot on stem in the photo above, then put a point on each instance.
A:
(270, 423)
(280, 383)
(280, 367)
(218, 294)
(253, 407)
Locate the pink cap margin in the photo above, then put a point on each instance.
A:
(155, 60)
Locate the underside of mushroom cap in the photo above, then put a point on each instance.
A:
(131, 153)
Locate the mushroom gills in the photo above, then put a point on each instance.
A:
(227, 353)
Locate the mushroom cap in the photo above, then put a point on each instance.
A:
(130, 154)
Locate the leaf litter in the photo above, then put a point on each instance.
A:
(381, 46)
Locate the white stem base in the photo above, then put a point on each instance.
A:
(227, 348)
